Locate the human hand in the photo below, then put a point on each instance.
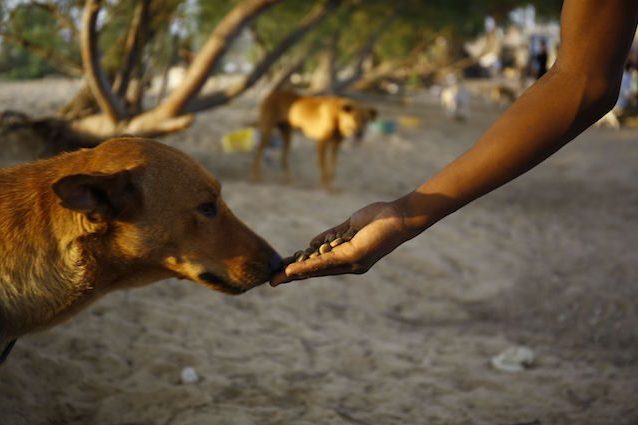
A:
(378, 229)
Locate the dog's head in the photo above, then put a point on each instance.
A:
(161, 210)
(353, 118)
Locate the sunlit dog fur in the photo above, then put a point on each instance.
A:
(328, 120)
(127, 213)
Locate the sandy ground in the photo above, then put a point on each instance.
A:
(549, 262)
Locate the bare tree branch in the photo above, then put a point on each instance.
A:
(96, 78)
(59, 62)
(221, 97)
(133, 47)
(208, 57)
(325, 73)
(258, 39)
(379, 72)
(284, 74)
(364, 52)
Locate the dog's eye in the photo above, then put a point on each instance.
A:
(347, 108)
(208, 209)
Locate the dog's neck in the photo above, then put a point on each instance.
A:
(45, 272)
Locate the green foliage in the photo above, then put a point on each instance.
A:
(413, 23)
(211, 12)
(275, 25)
(35, 25)
(118, 17)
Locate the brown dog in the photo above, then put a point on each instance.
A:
(326, 119)
(127, 213)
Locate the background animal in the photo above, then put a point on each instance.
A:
(327, 120)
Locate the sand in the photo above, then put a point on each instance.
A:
(548, 262)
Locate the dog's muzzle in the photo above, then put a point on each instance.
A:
(220, 283)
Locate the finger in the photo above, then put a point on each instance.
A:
(278, 279)
(281, 274)
(333, 233)
(320, 273)
(315, 271)
(333, 262)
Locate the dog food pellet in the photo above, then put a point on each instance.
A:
(336, 242)
(300, 256)
(325, 248)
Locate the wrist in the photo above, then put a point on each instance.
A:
(422, 210)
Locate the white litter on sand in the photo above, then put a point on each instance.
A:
(514, 359)
(189, 375)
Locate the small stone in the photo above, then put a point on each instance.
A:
(314, 254)
(189, 375)
(325, 248)
(336, 242)
(514, 359)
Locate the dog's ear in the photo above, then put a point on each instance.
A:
(101, 197)
(372, 112)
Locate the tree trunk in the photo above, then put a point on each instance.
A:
(323, 77)
(97, 80)
(82, 105)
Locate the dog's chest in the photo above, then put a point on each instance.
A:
(36, 290)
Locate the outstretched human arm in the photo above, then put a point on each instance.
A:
(580, 88)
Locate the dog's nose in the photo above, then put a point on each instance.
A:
(276, 263)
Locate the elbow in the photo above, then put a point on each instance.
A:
(601, 96)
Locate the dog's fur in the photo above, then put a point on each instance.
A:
(326, 119)
(126, 213)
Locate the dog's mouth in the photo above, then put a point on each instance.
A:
(220, 284)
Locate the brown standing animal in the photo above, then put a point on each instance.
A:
(126, 213)
(328, 120)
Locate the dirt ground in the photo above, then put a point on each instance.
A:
(549, 262)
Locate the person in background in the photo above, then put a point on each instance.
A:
(541, 60)
(581, 87)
